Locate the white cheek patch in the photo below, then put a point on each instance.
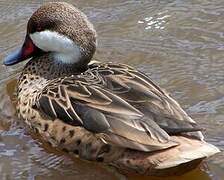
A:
(63, 48)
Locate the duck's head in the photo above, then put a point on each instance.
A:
(62, 31)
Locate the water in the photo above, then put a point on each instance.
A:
(179, 43)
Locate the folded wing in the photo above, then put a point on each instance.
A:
(120, 103)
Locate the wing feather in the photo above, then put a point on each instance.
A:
(121, 103)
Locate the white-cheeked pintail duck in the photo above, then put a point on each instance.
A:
(105, 112)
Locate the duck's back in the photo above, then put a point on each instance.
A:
(121, 103)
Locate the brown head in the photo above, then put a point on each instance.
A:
(61, 30)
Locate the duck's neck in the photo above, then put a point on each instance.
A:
(39, 71)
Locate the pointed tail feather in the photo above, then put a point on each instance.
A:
(187, 151)
(172, 161)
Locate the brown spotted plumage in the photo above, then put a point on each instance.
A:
(105, 112)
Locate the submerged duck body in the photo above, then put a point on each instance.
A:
(105, 112)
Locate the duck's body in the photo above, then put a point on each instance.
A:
(100, 111)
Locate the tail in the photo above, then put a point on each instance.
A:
(172, 161)
(188, 150)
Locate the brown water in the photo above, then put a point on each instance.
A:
(179, 43)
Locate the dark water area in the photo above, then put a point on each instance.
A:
(180, 44)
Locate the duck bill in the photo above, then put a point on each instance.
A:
(26, 51)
